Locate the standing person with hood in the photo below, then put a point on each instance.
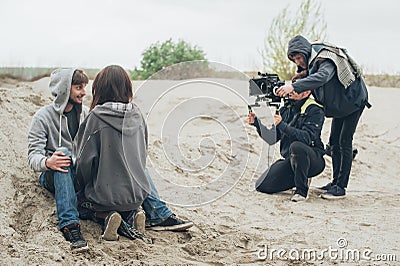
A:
(111, 159)
(50, 139)
(336, 82)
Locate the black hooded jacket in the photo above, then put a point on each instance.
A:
(295, 126)
(322, 79)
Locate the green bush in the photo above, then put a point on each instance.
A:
(161, 55)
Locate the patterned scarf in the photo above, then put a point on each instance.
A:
(119, 106)
(347, 69)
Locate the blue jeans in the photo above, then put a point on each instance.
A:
(62, 186)
(156, 210)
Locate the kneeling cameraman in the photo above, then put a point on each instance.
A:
(298, 126)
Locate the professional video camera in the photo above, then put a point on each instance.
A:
(264, 89)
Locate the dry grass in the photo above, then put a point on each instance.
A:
(32, 74)
(383, 80)
(375, 80)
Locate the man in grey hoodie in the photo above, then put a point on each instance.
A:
(50, 144)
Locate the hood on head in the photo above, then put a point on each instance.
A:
(60, 86)
(299, 45)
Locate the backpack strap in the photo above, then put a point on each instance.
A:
(307, 103)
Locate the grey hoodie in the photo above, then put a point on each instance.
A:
(49, 127)
(111, 158)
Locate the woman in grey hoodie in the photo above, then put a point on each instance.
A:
(111, 152)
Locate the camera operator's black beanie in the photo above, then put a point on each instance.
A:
(299, 45)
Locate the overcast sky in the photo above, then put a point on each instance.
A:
(97, 33)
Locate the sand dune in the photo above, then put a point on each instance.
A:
(237, 223)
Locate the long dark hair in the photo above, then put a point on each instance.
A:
(112, 84)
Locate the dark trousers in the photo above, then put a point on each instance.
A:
(341, 142)
(304, 162)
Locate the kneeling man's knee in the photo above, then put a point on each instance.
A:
(297, 147)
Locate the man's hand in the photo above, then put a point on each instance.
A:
(284, 90)
(277, 119)
(57, 161)
(250, 118)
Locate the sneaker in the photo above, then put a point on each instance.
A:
(326, 187)
(140, 221)
(298, 198)
(173, 223)
(129, 231)
(72, 233)
(111, 225)
(335, 192)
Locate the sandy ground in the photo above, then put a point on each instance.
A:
(207, 175)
